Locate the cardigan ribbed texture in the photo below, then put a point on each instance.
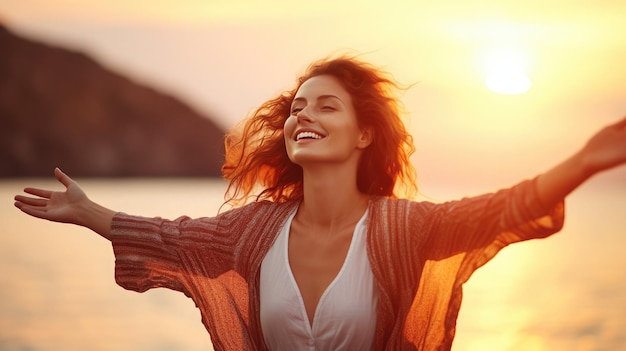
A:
(420, 253)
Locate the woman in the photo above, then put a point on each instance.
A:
(328, 257)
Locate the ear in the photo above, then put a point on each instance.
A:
(365, 138)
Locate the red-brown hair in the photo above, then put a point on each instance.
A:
(256, 155)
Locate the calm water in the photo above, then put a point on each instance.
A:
(565, 293)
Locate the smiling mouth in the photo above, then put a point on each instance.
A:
(308, 135)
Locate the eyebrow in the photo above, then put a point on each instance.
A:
(321, 97)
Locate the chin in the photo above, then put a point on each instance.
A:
(303, 158)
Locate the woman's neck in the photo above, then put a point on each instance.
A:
(331, 199)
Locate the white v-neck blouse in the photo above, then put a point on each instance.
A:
(345, 318)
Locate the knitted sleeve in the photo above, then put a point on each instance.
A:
(458, 237)
(486, 223)
(213, 260)
(149, 252)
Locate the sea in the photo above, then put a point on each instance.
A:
(57, 291)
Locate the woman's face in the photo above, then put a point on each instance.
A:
(323, 125)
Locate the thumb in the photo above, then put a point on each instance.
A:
(62, 177)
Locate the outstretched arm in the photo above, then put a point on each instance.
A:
(605, 150)
(69, 206)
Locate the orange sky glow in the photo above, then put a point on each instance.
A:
(226, 57)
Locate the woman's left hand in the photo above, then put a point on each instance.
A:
(606, 149)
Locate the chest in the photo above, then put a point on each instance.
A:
(318, 295)
(315, 261)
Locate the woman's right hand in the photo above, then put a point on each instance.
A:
(69, 206)
(57, 206)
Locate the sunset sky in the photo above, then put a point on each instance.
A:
(226, 57)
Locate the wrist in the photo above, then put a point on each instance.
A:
(583, 165)
(95, 217)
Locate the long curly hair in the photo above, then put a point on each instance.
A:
(256, 159)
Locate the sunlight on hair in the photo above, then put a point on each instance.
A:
(506, 71)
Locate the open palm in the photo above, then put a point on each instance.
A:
(607, 148)
(57, 206)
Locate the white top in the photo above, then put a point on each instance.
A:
(345, 318)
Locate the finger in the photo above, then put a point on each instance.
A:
(32, 211)
(62, 177)
(39, 192)
(31, 201)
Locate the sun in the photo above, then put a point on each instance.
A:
(506, 71)
(505, 81)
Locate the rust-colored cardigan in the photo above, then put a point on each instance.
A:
(420, 252)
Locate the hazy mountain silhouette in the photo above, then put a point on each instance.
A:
(59, 107)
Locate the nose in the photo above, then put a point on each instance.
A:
(305, 115)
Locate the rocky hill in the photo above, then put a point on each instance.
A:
(62, 108)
